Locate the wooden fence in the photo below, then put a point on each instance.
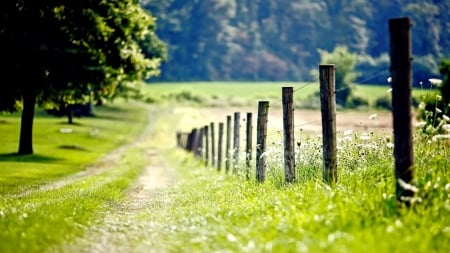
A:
(202, 141)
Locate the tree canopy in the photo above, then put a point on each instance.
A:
(61, 51)
(278, 39)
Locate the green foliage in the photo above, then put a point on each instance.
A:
(355, 102)
(262, 40)
(384, 103)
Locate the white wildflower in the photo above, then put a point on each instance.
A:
(373, 116)
(446, 118)
(422, 106)
(441, 137)
(435, 81)
(348, 132)
(421, 124)
(364, 137)
(389, 79)
(407, 186)
(446, 127)
(389, 145)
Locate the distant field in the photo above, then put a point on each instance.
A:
(248, 93)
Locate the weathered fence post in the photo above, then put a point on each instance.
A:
(288, 133)
(198, 143)
(213, 152)
(328, 109)
(261, 132)
(228, 145)
(400, 54)
(248, 148)
(190, 140)
(220, 147)
(236, 138)
(179, 134)
(184, 140)
(205, 132)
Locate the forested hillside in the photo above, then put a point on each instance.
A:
(279, 39)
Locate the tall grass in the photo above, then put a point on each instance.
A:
(214, 212)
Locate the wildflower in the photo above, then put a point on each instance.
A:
(389, 90)
(446, 127)
(389, 79)
(438, 97)
(364, 137)
(435, 81)
(446, 118)
(373, 116)
(407, 186)
(438, 110)
(347, 138)
(422, 106)
(348, 132)
(440, 137)
(389, 145)
(421, 124)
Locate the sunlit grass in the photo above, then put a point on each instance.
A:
(35, 221)
(61, 149)
(210, 211)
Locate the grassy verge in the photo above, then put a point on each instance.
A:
(62, 149)
(39, 219)
(36, 222)
(213, 212)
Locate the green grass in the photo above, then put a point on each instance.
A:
(225, 94)
(213, 212)
(209, 211)
(58, 154)
(34, 221)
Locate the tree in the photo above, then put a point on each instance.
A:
(63, 51)
(345, 62)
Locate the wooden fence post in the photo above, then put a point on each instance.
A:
(206, 152)
(261, 132)
(220, 147)
(237, 128)
(198, 143)
(179, 134)
(184, 140)
(213, 152)
(190, 141)
(400, 54)
(248, 148)
(328, 109)
(288, 133)
(228, 145)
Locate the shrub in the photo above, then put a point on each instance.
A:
(355, 102)
(384, 102)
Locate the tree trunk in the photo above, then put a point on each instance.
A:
(69, 114)
(26, 124)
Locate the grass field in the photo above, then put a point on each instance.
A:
(248, 93)
(203, 210)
